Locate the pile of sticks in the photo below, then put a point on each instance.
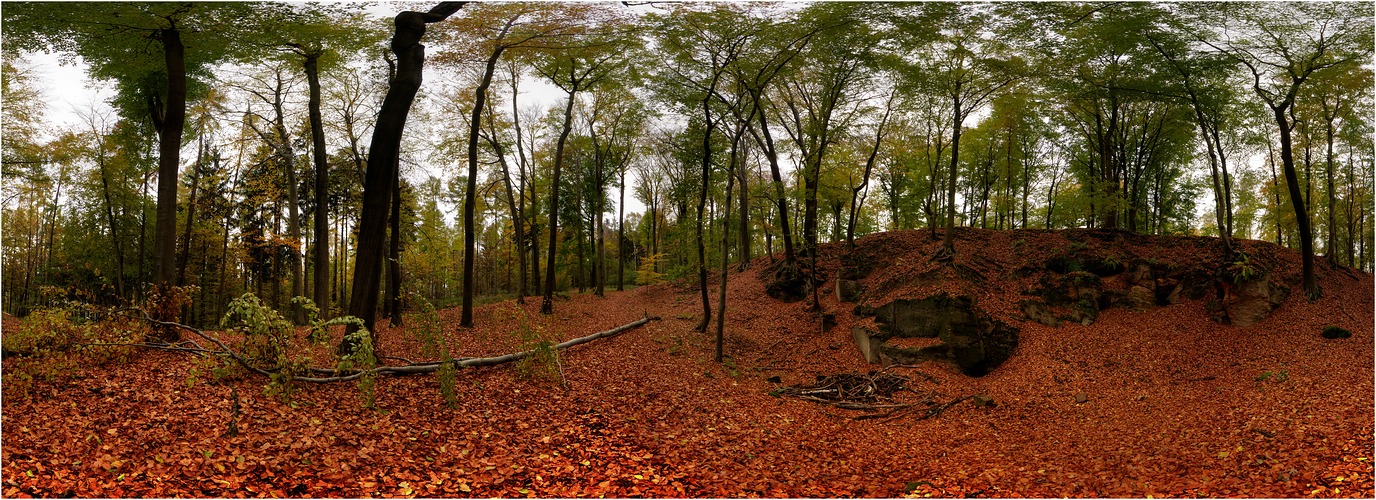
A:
(851, 391)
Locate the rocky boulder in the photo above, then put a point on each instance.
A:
(970, 338)
(1251, 301)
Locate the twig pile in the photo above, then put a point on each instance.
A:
(851, 391)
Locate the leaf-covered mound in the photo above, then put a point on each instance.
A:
(1174, 404)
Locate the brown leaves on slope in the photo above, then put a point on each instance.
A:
(1174, 408)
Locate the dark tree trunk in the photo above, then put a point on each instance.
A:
(322, 182)
(470, 245)
(190, 214)
(948, 242)
(1311, 286)
(781, 198)
(383, 155)
(547, 304)
(393, 307)
(169, 124)
(855, 198)
(621, 233)
(702, 205)
(725, 254)
(110, 218)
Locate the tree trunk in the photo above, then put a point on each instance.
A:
(702, 205)
(169, 156)
(621, 233)
(1331, 245)
(383, 155)
(948, 242)
(781, 198)
(470, 246)
(547, 304)
(394, 259)
(190, 214)
(321, 292)
(725, 254)
(1311, 286)
(110, 218)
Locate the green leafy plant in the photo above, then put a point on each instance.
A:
(1241, 269)
(426, 326)
(1277, 376)
(266, 344)
(362, 358)
(542, 359)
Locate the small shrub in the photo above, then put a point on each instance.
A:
(54, 344)
(362, 358)
(266, 343)
(426, 326)
(542, 359)
(645, 274)
(1277, 376)
(1241, 269)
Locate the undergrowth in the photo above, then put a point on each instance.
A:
(541, 363)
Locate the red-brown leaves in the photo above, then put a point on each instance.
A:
(1174, 408)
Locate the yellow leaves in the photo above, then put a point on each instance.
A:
(404, 488)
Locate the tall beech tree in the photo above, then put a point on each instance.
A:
(965, 64)
(152, 79)
(1283, 46)
(318, 37)
(383, 158)
(578, 65)
(490, 30)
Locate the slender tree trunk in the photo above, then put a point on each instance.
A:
(110, 218)
(470, 246)
(780, 197)
(725, 254)
(621, 232)
(190, 214)
(1275, 189)
(547, 305)
(517, 219)
(948, 242)
(599, 266)
(1331, 245)
(702, 205)
(321, 291)
(1311, 286)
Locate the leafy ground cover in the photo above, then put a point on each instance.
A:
(1174, 404)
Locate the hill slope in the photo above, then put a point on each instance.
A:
(1175, 403)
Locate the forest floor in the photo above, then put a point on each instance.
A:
(1175, 405)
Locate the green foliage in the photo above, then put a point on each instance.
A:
(541, 362)
(426, 326)
(645, 274)
(1277, 376)
(265, 332)
(1242, 269)
(362, 358)
(54, 344)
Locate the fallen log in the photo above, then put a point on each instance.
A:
(412, 369)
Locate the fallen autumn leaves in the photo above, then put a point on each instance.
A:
(646, 413)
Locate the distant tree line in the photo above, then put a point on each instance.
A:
(236, 151)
